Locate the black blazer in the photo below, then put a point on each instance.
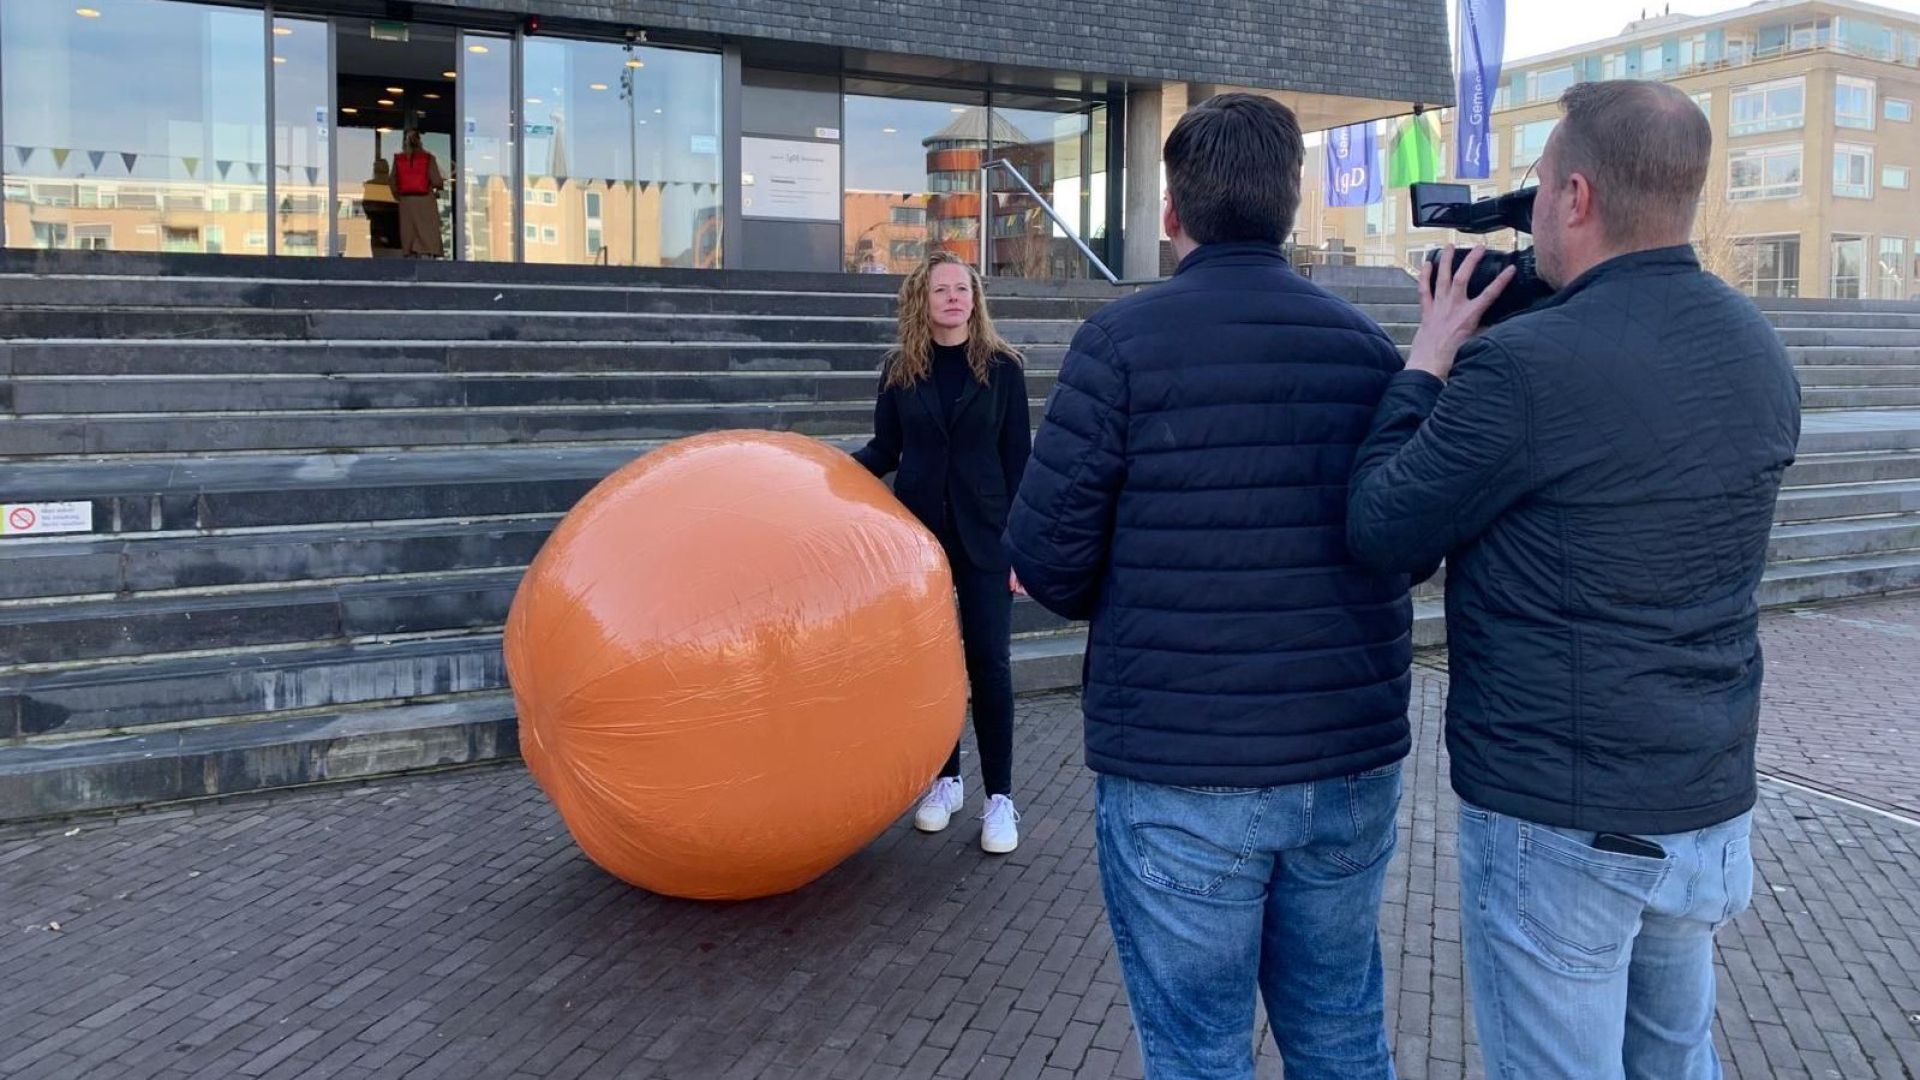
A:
(972, 464)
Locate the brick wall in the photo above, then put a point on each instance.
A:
(1389, 49)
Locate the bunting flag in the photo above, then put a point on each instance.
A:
(253, 170)
(60, 155)
(313, 174)
(128, 160)
(95, 157)
(193, 167)
(1415, 155)
(225, 167)
(610, 181)
(24, 153)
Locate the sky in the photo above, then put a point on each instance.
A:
(1543, 26)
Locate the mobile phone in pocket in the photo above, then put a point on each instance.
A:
(1621, 844)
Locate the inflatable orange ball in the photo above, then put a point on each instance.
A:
(736, 661)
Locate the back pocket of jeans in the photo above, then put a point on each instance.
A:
(1736, 874)
(1197, 842)
(1578, 905)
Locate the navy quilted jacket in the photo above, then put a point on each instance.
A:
(1600, 474)
(1187, 493)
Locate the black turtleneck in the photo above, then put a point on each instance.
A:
(950, 374)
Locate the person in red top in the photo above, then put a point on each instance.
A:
(417, 183)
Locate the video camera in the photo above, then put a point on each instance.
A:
(1451, 206)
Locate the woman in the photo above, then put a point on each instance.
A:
(952, 418)
(417, 184)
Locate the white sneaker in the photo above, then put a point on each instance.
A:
(944, 799)
(1000, 834)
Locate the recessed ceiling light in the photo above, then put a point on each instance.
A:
(279, 59)
(388, 102)
(534, 101)
(597, 86)
(431, 97)
(889, 131)
(396, 89)
(656, 112)
(350, 110)
(384, 130)
(958, 109)
(283, 31)
(636, 63)
(86, 13)
(449, 74)
(477, 50)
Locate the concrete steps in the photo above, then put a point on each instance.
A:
(314, 494)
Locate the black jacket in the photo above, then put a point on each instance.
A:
(1600, 474)
(1188, 493)
(971, 464)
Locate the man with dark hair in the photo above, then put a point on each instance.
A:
(1599, 473)
(1246, 683)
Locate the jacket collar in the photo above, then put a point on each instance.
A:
(1239, 253)
(1653, 262)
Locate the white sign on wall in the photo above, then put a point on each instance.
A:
(790, 179)
(32, 519)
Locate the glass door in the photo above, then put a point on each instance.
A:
(485, 198)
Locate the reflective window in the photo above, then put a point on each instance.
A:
(1774, 106)
(1767, 172)
(1769, 265)
(1853, 171)
(1849, 260)
(912, 158)
(177, 163)
(1853, 102)
(487, 148)
(302, 131)
(1059, 145)
(1890, 269)
(640, 127)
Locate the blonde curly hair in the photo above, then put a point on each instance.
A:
(911, 358)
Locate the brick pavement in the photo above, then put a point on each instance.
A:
(446, 926)
(1843, 700)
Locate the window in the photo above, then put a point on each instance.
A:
(300, 242)
(1853, 171)
(1849, 258)
(179, 238)
(49, 234)
(1890, 269)
(1693, 52)
(216, 239)
(1704, 99)
(533, 233)
(1613, 66)
(593, 209)
(909, 215)
(1809, 34)
(1774, 106)
(1652, 61)
(256, 238)
(1895, 177)
(1380, 215)
(1530, 141)
(549, 234)
(1769, 265)
(953, 181)
(595, 240)
(1549, 85)
(1738, 49)
(1896, 109)
(93, 237)
(1853, 102)
(906, 251)
(1771, 172)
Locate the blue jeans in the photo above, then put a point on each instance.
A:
(1591, 964)
(1213, 893)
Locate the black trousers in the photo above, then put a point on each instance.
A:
(986, 633)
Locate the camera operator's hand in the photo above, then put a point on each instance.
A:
(1447, 316)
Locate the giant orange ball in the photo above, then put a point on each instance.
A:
(736, 661)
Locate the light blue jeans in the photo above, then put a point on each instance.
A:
(1594, 965)
(1214, 893)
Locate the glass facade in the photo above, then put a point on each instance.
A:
(213, 127)
(177, 163)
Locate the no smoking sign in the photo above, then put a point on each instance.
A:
(40, 519)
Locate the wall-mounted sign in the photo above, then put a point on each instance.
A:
(826, 133)
(790, 179)
(36, 519)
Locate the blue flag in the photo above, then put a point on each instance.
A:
(1353, 166)
(1483, 39)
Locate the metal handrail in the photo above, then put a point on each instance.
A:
(986, 219)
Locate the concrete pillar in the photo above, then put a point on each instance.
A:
(1151, 114)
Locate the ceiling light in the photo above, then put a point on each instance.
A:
(279, 59)
(533, 101)
(889, 131)
(477, 50)
(958, 109)
(384, 130)
(431, 97)
(636, 63)
(656, 112)
(283, 31)
(597, 86)
(396, 89)
(349, 110)
(86, 13)
(449, 74)
(388, 102)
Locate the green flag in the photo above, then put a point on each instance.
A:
(1415, 156)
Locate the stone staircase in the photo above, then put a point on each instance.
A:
(315, 485)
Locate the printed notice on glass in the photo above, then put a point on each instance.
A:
(786, 178)
(39, 519)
